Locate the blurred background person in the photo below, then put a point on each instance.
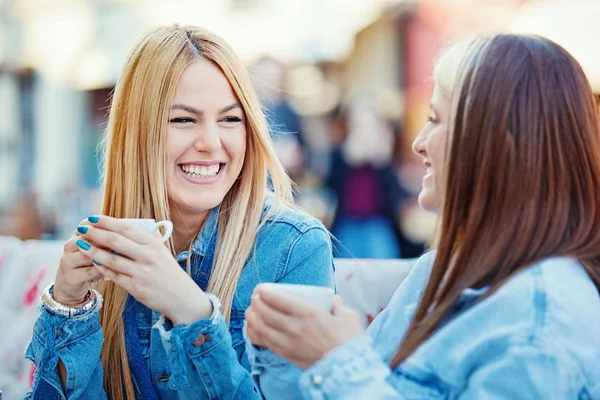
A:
(362, 176)
(24, 219)
(269, 77)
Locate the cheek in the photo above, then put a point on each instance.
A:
(174, 145)
(436, 147)
(235, 145)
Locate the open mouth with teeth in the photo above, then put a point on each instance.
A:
(201, 171)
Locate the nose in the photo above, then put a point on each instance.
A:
(418, 146)
(207, 138)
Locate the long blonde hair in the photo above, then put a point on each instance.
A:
(135, 178)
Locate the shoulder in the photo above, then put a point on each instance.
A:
(288, 235)
(292, 247)
(550, 299)
(292, 228)
(412, 287)
(567, 303)
(558, 296)
(277, 215)
(552, 307)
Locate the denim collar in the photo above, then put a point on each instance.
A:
(204, 240)
(470, 296)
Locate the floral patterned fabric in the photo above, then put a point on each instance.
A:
(25, 270)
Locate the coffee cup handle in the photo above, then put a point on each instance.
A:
(168, 225)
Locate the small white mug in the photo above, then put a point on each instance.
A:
(150, 225)
(318, 296)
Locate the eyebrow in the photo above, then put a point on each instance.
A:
(230, 107)
(193, 110)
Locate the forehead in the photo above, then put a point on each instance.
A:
(202, 84)
(436, 96)
(439, 100)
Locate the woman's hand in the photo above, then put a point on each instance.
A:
(297, 330)
(75, 273)
(141, 264)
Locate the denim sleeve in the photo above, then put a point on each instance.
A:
(353, 370)
(524, 372)
(404, 301)
(354, 363)
(78, 343)
(274, 376)
(310, 262)
(213, 362)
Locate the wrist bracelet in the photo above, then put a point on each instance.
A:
(55, 307)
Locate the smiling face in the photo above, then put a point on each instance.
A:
(430, 144)
(206, 141)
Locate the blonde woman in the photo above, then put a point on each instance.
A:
(186, 141)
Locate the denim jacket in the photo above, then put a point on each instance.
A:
(291, 247)
(537, 337)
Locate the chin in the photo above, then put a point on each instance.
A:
(428, 201)
(196, 205)
(201, 206)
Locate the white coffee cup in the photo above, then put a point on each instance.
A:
(318, 296)
(151, 226)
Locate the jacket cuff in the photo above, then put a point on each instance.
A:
(182, 341)
(341, 367)
(52, 333)
(261, 358)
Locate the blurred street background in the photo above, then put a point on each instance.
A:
(346, 85)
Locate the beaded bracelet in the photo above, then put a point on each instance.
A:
(89, 302)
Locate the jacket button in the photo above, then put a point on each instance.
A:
(163, 378)
(317, 380)
(201, 340)
(57, 333)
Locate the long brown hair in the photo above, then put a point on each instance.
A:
(522, 178)
(135, 179)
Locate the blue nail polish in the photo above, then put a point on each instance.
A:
(82, 244)
(96, 263)
(82, 229)
(93, 220)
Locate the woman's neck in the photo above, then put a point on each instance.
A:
(186, 228)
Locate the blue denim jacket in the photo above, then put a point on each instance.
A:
(537, 337)
(291, 247)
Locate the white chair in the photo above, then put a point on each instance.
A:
(368, 285)
(25, 270)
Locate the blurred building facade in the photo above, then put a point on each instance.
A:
(60, 59)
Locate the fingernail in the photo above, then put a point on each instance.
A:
(82, 244)
(96, 263)
(93, 219)
(82, 229)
